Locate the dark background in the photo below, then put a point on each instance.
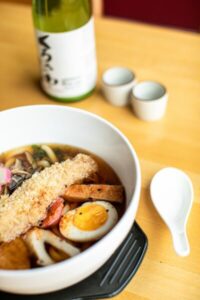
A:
(183, 14)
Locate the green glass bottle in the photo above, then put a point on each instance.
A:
(66, 44)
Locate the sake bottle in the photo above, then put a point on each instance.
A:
(66, 44)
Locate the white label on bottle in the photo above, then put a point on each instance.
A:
(68, 61)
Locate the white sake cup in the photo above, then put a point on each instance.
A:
(117, 84)
(149, 100)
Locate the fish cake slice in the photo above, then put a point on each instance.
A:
(85, 192)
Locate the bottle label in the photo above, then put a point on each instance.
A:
(68, 61)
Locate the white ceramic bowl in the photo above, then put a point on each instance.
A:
(59, 124)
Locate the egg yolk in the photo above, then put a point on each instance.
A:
(90, 217)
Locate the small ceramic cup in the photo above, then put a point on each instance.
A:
(149, 100)
(117, 84)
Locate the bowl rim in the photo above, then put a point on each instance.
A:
(31, 272)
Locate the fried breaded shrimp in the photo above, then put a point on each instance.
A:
(28, 205)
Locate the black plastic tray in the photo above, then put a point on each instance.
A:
(109, 280)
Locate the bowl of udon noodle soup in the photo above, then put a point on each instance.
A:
(69, 192)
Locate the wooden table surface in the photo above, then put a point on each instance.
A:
(169, 56)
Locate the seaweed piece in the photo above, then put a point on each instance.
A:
(16, 181)
(38, 153)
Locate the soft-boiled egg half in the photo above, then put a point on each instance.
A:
(88, 222)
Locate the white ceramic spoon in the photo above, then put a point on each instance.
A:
(172, 194)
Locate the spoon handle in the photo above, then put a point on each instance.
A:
(181, 244)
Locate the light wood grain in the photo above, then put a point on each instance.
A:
(169, 56)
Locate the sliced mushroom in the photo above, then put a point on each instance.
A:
(36, 239)
(20, 172)
(30, 159)
(17, 165)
